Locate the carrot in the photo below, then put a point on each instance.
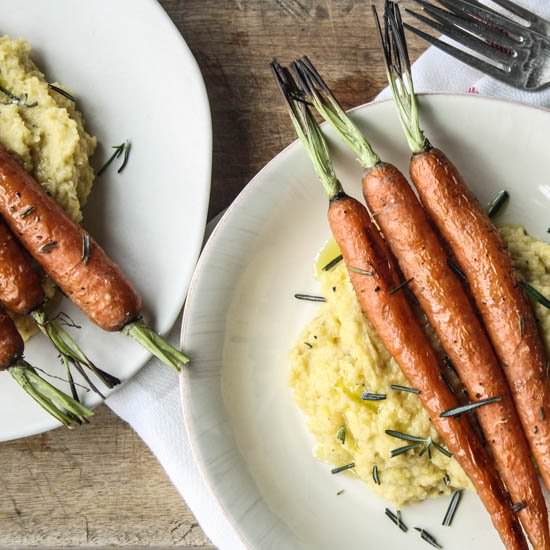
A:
(481, 255)
(424, 263)
(21, 293)
(62, 407)
(74, 261)
(374, 277)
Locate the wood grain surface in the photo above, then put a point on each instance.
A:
(99, 486)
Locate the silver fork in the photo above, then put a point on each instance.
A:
(514, 53)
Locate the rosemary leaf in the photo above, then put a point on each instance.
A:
(341, 434)
(534, 294)
(400, 286)
(62, 92)
(85, 248)
(308, 345)
(48, 247)
(119, 149)
(361, 271)
(309, 298)
(406, 437)
(127, 148)
(334, 262)
(457, 411)
(518, 507)
(343, 468)
(397, 387)
(375, 475)
(446, 480)
(451, 510)
(442, 450)
(340, 492)
(424, 535)
(27, 212)
(497, 203)
(368, 396)
(456, 269)
(405, 449)
(397, 520)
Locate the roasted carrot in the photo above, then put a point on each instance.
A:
(424, 263)
(62, 407)
(21, 293)
(374, 277)
(482, 257)
(74, 261)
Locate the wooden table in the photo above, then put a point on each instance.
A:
(100, 486)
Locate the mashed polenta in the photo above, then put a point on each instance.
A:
(46, 132)
(339, 357)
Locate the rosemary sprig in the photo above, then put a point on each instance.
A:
(62, 92)
(310, 298)
(430, 539)
(497, 203)
(376, 475)
(122, 149)
(361, 271)
(334, 262)
(341, 434)
(368, 396)
(398, 387)
(535, 295)
(397, 520)
(401, 285)
(85, 248)
(451, 510)
(343, 468)
(17, 100)
(457, 411)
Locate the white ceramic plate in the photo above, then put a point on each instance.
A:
(249, 438)
(134, 78)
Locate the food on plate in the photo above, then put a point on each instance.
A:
(338, 359)
(379, 290)
(66, 409)
(74, 261)
(424, 263)
(482, 256)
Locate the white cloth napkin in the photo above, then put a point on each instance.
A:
(150, 402)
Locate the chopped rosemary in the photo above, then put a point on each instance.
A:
(451, 510)
(406, 437)
(398, 387)
(361, 271)
(85, 248)
(368, 396)
(497, 203)
(61, 91)
(119, 150)
(375, 475)
(400, 286)
(341, 434)
(17, 100)
(518, 506)
(308, 345)
(127, 149)
(521, 320)
(457, 411)
(309, 298)
(343, 468)
(397, 520)
(405, 449)
(424, 535)
(340, 492)
(27, 212)
(48, 247)
(534, 294)
(456, 269)
(446, 480)
(334, 262)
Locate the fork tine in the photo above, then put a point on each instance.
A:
(520, 11)
(464, 21)
(444, 26)
(470, 60)
(475, 9)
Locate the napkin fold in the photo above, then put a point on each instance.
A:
(150, 402)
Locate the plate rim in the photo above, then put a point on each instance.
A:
(204, 176)
(185, 390)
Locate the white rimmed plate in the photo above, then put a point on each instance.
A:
(135, 79)
(249, 438)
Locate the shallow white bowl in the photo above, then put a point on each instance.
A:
(249, 438)
(134, 78)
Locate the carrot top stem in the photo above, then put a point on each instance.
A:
(68, 348)
(307, 129)
(156, 344)
(62, 407)
(322, 98)
(398, 69)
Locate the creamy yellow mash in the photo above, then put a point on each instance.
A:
(339, 356)
(44, 129)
